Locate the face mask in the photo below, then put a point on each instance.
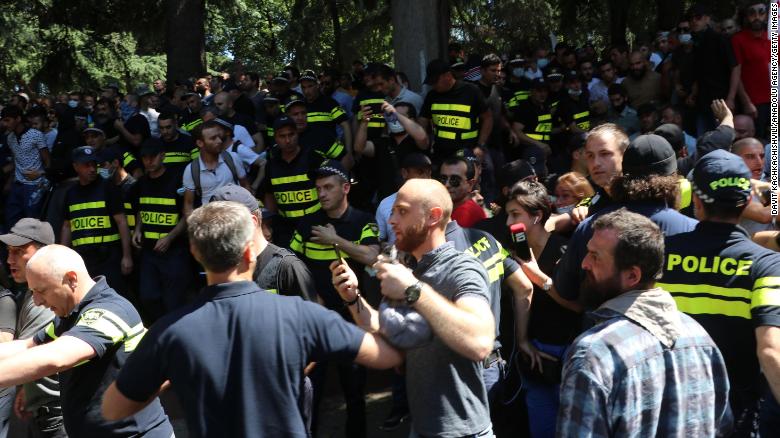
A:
(105, 173)
(566, 209)
(73, 103)
(518, 72)
(685, 38)
(542, 63)
(575, 93)
(531, 75)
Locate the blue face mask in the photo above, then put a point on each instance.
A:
(542, 63)
(518, 72)
(73, 103)
(685, 38)
(566, 209)
(575, 93)
(105, 173)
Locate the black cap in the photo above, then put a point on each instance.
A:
(109, 154)
(555, 74)
(94, 129)
(723, 178)
(283, 121)
(293, 103)
(329, 168)
(515, 62)
(151, 146)
(84, 154)
(719, 138)
(514, 172)
(538, 84)
(282, 76)
(229, 86)
(224, 123)
(28, 230)
(268, 99)
(143, 90)
(673, 134)
(234, 193)
(649, 154)
(571, 76)
(308, 75)
(698, 10)
(416, 160)
(435, 68)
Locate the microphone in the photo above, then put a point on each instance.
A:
(520, 241)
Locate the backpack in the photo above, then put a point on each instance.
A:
(195, 172)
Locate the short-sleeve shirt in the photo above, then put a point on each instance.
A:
(246, 349)
(31, 319)
(179, 153)
(752, 53)
(455, 117)
(213, 179)
(323, 115)
(112, 327)
(26, 148)
(468, 214)
(279, 271)
(90, 209)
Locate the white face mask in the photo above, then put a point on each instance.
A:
(105, 173)
(395, 127)
(566, 209)
(685, 38)
(574, 93)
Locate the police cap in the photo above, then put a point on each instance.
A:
(723, 178)
(84, 154)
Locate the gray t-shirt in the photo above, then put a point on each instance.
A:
(32, 319)
(447, 396)
(7, 322)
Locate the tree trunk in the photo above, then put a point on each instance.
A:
(334, 16)
(669, 13)
(420, 34)
(185, 39)
(618, 20)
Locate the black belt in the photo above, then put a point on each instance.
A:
(492, 358)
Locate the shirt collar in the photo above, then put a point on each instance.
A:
(93, 292)
(228, 290)
(653, 309)
(430, 257)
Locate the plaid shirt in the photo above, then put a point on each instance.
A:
(644, 376)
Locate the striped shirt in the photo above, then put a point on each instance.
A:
(644, 370)
(26, 149)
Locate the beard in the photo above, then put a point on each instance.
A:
(638, 74)
(757, 25)
(594, 293)
(413, 236)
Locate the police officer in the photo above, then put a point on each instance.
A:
(165, 264)
(518, 88)
(315, 240)
(323, 114)
(455, 111)
(729, 284)
(532, 122)
(95, 224)
(180, 148)
(287, 189)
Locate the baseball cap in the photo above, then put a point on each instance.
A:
(538, 83)
(283, 121)
(571, 76)
(649, 154)
(329, 168)
(416, 160)
(723, 178)
(555, 74)
(143, 90)
(234, 193)
(435, 68)
(151, 146)
(268, 99)
(109, 154)
(225, 124)
(282, 76)
(84, 154)
(673, 134)
(515, 171)
(292, 103)
(95, 130)
(28, 230)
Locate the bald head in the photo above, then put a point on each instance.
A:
(744, 126)
(58, 279)
(428, 194)
(54, 261)
(223, 97)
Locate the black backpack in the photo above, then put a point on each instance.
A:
(195, 172)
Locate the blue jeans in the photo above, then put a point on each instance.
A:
(543, 399)
(493, 378)
(24, 200)
(6, 410)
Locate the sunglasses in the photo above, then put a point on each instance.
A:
(756, 11)
(453, 180)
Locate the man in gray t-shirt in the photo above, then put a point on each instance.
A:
(40, 399)
(449, 290)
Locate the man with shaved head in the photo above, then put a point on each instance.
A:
(756, 217)
(93, 333)
(448, 289)
(249, 136)
(744, 127)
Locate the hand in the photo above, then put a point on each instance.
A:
(534, 355)
(118, 123)
(578, 214)
(479, 153)
(367, 113)
(394, 278)
(324, 234)
(137, 239)
(344, 280)
(19, 403)
(514, 139)
(387, 108)
(127, 265)
(720, 109)
(163, 244)
(32, 174)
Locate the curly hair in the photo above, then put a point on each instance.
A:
(647, 188)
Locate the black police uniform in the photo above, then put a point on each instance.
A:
(163, 276)
(537, 124)
(455, 118)
(113, 328)
(94, 234)
(516, 92)
(179, 153)
(279, 271)
(376, 125)
(366, 170)
(323, 115)
(730, 286)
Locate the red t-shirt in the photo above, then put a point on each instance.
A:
(753, 54)
(468, 214)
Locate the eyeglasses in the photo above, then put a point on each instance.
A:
(761, 10)
(453, 180)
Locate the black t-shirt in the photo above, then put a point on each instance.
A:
(136, 124)
(244, 106)
(376, 126)
(455, 117)
(322, 117)
(160, 207)
(391, 154)
(235, 359)
(90, 210)
(549, 322)
(713, 59)
(243, 120)
(112, 327)
(279, 271)
(179, 153)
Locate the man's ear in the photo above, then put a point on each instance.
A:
(435, 215)
(630, 278)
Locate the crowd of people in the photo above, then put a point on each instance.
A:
(546, 243)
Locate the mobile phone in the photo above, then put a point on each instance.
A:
(520, 241)
(338, 252)
(376, 108)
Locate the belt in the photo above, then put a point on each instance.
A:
(492, 358)
(46, 410)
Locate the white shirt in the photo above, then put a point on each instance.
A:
(241, 133)
(151, 116)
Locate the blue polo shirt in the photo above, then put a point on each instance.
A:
(112, 327)
(235, 359)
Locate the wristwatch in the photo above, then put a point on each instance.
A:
(412, 293)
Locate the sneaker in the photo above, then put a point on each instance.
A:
(394, 420)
